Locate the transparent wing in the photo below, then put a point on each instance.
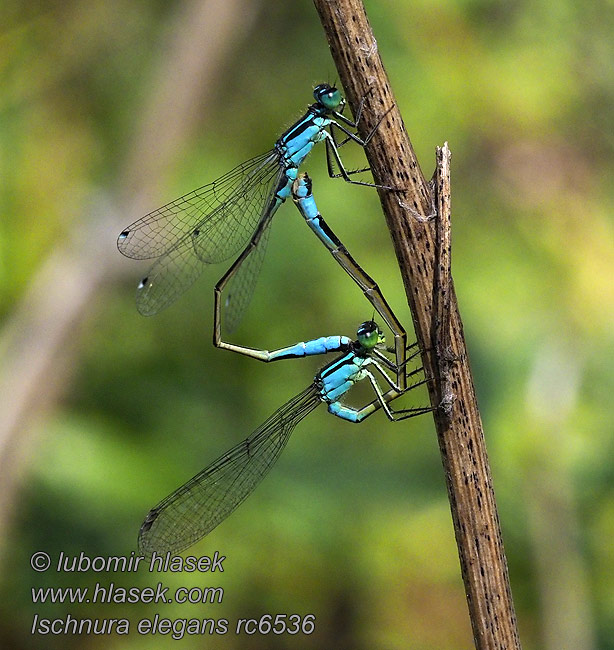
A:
(233, 200)
(197, 507)
(241, 287)
(221, 236)
(168, 278)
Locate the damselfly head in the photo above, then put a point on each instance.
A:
(328, 96)
(369, 335)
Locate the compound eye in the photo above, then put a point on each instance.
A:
(328, 96)
(369, 334)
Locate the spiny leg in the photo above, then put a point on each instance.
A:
(343, 172)
(400, 369)
(382, 401)
(354, 125)
(393, 385)
(333, 146)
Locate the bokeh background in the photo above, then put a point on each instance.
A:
(109, 109)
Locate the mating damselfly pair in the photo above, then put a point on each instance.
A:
(209, 225)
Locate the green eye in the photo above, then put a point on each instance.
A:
(369, 334)
(332, 99)
(328, 96)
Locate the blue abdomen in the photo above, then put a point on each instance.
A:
(326, 344)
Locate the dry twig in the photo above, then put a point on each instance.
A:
(422, 245)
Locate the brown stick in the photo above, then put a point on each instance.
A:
(422, 247)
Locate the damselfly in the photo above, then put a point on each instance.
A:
(303, 199)
(197, 507)
(213, 222)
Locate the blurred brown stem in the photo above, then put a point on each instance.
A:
(422, 246)
(39, 341)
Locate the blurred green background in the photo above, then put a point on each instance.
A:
(109, 109)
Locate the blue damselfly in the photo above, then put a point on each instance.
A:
(196, 508)
(213, 222)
